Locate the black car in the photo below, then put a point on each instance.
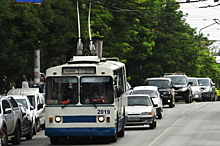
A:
(165, 87)
(208, 89)
(182, 86)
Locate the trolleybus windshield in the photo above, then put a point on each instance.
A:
(62, 90)
(93, 90)
(96, 90)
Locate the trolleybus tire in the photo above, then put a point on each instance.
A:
(121, 133)
(55, 140)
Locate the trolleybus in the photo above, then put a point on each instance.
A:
(84, 97)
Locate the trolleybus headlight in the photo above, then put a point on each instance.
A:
(58, 119)
(101, 118)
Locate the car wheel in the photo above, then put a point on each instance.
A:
(34, 129)
(172, 103)
(160, 114)
(214, 98)
(4, 137)
(200, 99)
(42, 126)
(187, 99)
(17, 139)
(37, 125)
(30, 133)
(153, 124)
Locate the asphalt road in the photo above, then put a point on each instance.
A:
(195, 124)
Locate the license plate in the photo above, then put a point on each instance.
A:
(135, 119)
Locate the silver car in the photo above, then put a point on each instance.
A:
(154, 94)
(10, 119)
(196, 89)
(140, 110)
(208, 88)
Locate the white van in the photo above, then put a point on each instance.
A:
(38, 102)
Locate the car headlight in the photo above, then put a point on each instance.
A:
(101, 118)
(58, 119)
(206, 90)
(183, 89)
(165, 92)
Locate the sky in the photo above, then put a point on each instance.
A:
(203, 18)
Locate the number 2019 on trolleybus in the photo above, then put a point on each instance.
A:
(84, 97)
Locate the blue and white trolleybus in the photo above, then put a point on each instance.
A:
(84, 97)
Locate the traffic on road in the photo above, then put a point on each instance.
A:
(186, 124)
(144, 111)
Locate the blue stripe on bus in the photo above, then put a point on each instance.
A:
(79, 131)
(79, 119)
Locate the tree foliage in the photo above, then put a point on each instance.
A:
(150, 36)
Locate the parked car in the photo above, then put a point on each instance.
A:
(23, 99)
(165, 87)
(154, 94)
(140, 110)
(37, 101)
(26, 124)
(10, 121)
(196, 90)
(208, 88)
(182, 86)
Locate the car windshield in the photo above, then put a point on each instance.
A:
(203, 82)
(158, 83)
(23, 102)
(139, 100)
(152, 93)
(194, 81)
(181, 80)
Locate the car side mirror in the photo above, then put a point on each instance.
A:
(155, 105)
(190, 83)
(8, 110)
(40, 106)
(31, 108)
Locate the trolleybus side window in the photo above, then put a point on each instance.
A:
(96, 90)
(62, 90)
(119, 81)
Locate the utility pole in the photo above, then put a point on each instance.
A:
(37, 64)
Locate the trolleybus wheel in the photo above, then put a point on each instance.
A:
(55, 140)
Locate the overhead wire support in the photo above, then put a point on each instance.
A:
(91, 45)
(79, 44)
(216, 22)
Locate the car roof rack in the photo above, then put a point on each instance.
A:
(177, 73)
